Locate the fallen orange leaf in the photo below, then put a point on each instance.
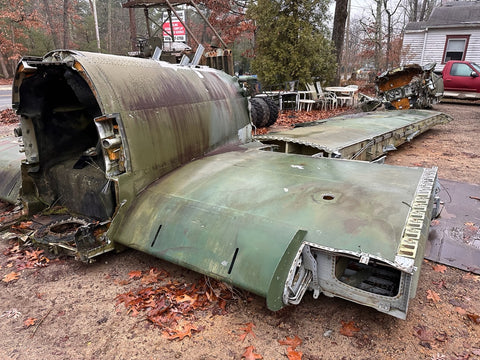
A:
(423, 333)
(135, 274)
(348, 328)
(151, 277)
(474, 317)
(248, 329)
(24, 225)
(29, 322)
(292, 354)
(186, 298)
(11, 277)
(439, 268)
(121, 282)
(471, 276)
(250, 355)
(432, 295)
(180, 335)
(292, 342)
(440, 284)
(460, 310)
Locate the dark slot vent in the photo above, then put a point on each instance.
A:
(233, 261)
(156, 235)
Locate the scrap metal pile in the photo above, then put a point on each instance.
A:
(410, 86)
(159, 157)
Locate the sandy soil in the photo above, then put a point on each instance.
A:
(453, 147)
(65, 309)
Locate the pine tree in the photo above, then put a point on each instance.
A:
(291, 41)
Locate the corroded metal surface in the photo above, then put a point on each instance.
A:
(455, 236)
(363, 136)
(164, 116)
(10, 160)
(410, 86)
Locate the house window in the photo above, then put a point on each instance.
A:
(455, 47)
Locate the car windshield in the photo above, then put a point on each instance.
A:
(476, 67)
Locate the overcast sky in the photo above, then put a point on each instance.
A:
(359, 8)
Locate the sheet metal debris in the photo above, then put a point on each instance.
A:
(10, 160)
(455, 236)
(410, 86)
(363, 136)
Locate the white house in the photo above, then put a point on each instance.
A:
(451, 33)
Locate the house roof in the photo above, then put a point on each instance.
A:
(454, 14)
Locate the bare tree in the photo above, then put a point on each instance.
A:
(390, 14)
(419, 10)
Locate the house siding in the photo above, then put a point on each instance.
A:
(413, 47)
(435, 44)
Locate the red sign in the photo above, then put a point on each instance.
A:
(178, 29)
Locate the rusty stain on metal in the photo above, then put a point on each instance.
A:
(410, 86)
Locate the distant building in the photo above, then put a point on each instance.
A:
(451, 33)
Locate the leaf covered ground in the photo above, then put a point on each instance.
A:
(133, 306)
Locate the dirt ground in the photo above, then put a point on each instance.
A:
(58, 308)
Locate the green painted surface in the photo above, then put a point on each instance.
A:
(255, 201)
(342, 133)
(10, 175)
(169, 114)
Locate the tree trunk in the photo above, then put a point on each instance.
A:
(389, 39)
(133, 29)
(4, 67)
(53, 29)
(109, 26)
(66, 27)
(338, 33)
(378, 36)
(414, 15)
(423, 10)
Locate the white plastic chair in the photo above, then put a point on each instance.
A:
(328, 97)
(354, 95)
(310, 98)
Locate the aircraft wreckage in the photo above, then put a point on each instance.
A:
(159, 158)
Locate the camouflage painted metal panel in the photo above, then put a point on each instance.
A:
(10, 177)
(234, 216)
(149, 116)
(364, 136)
